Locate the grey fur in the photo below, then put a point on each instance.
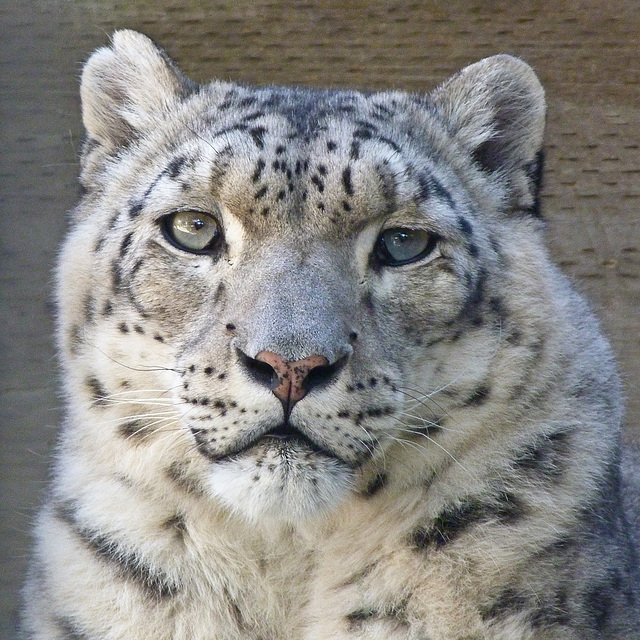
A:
(452, 472)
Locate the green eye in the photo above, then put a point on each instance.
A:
(396, 247)
(192, 231)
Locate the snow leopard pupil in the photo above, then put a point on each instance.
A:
(401, 246)
(192, 231)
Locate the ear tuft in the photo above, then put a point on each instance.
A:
(496, 108)
(125, 89)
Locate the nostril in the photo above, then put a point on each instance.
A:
(323, 375)
(261, 372)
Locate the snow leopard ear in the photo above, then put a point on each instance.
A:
(496, 108)
(125, 88)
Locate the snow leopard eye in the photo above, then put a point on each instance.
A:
(192, 231)
(395, 247)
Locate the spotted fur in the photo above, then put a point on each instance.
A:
(448, 469)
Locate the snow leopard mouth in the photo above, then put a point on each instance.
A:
(283, 438)
(286, 437)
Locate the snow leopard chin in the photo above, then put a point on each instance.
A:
(279, 481)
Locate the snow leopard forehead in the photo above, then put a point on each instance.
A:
(328, 158)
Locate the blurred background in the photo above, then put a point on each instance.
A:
(586, 53)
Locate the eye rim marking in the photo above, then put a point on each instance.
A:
(384, 256)
(210, 247)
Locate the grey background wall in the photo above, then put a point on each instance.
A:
(586, 53)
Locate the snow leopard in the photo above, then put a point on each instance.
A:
(323, 380)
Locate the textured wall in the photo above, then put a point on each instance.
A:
(586, 53)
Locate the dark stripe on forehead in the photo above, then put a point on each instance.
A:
(388, 186)
(175, 166)
(430, 186)
(125, 244)
(135, 208)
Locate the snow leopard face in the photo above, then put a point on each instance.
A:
(281, 291)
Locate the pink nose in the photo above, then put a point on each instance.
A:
(290, 376)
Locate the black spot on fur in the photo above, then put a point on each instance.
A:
(475, 297)
(424, 181)
(126, 563)
(364, 133)
(318, 183)
(378, 483)
(260, 165)
(358, 576)
(75, 339)
(220, 292)
(89, 309)
(107, 308)
(456, 520)
(600, 604)
(97, 391)
(465, 226)
(138, 263)
(261, 193)
(429, 429)
(396, 613)
(179, 474)
(175, 166)
(346, 181)
(552, 610)
(430, 186)
(236, 612)
(99, 244)
(479, 396)
(178, 525)
(257, 133)
(388, 186)
(132, 429)
(546, 457)
(116, 275)
(135, 209)
(356, 618)
(509, 602)
(382, 112)
(253, 116)
(390, 143)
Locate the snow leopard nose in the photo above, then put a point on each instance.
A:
(290, 380)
